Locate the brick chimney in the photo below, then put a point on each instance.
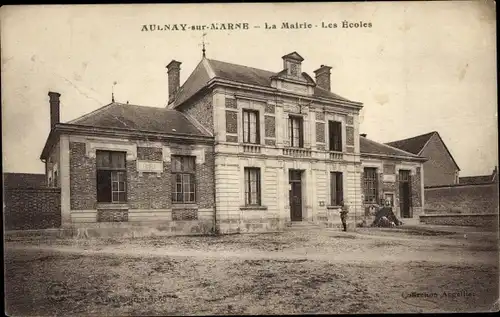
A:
(323, 77)
(54, 108)
(174, 72)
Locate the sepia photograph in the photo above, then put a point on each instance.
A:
(250, 158)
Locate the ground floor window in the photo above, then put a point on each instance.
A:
(111, 177)
(183, 179)
(252, 186)
(370, 185)
(336, 188)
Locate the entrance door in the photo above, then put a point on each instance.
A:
(404, 194)
(295, 177)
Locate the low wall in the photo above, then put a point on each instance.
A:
(32, 208)
(474, 220)
(466, 199)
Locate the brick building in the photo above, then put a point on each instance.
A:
(441, 168)
(236, 149)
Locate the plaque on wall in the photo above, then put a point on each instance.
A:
(149, 166)
(389, 178)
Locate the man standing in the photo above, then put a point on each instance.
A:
(343, 215)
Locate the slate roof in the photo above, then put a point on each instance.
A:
(23, 180)
(416, 144)
(368, 146)
(413, 145)
(208, 69)
(140, 118)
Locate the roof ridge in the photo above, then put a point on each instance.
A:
(91, 113)
(391, 147)
(240, 65)
(413, 137)
(143, 106)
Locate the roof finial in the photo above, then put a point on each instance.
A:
(203, 44)
(113, 91)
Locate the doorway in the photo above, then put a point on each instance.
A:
(404, 194)
(295, 194)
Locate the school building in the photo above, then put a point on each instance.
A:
(236, 149)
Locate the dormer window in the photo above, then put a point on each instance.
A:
(292, 63)
(294, 69)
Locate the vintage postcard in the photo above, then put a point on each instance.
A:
(262, 159)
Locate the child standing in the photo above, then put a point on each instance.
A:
(343, 215)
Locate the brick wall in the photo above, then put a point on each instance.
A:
(24, 180)
(201, 110)
(231, 121)
(394, 187)
(416, 188)
(35, 208)
(270, 126)
(474, 220)
(349, 135)
(320, 132)
(205, 180)
(144, 190)
(149, 153)
(439, 169)
(148, 190)
(83, 178)
(462, 198)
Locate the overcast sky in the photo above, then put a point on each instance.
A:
(421, 67)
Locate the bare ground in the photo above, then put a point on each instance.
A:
(320, 271)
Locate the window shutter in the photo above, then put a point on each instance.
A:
(339, 136)
(258, 187)
(332, 189)
(331, 139)
(257, 127)
(300, 121)
(340, 188)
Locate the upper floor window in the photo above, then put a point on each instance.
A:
(252, 186)
(335, 136)
(251, 131)
(183, 179)
(111, 177)
(370, 185)
(296, 131)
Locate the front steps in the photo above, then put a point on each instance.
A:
(303, 225)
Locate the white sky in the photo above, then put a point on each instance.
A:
(421, 66)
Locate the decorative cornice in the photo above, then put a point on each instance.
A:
(394, 157)
(120, 133)
(261, 89)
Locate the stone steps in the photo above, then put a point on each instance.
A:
(303, 225)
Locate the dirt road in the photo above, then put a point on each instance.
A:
(321, 271)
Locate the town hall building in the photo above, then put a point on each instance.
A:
(236, 149)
